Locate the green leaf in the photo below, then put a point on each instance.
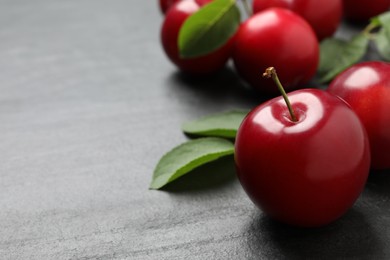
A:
(337, 55)
(383, 18)
(222, 125)
(209, 28)
(187, 157)
(382, 38)
(382, 41)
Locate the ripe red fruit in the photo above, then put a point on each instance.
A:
(363, 10)
(174, 20)
(276, 37)
(304, 173)
(166, 4)
(366, 88)
(323, 15)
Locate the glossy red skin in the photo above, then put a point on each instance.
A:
(203, 65)
(323, 15)
(363, 10)
(276, 37)
(306, 173)
(166, 4)
(366, 88)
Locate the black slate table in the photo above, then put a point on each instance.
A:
(88, 105)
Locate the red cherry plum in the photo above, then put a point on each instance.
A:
(363, 10)
(173, 22)
(305, 173)
(276, 37)
(323, 15)
(166, 4)
(366, 88)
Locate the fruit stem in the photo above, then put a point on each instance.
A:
(271, 73)
(247, 8)
(369, 28)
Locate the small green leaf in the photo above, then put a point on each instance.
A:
(220, 125)
(337, 55)
(187, 157)
(383, 18)
(382, 38)
(209, 28)
(382, 41)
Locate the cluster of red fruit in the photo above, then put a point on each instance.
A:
(281, 33)
(305, 163)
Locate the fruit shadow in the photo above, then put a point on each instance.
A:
(349, 237)
(208, 177)
(378, 184)
(225, 87)
(348, 28)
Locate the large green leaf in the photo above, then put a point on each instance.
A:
(209, 28)
(187, 157)
(337, 55)
(222, 125)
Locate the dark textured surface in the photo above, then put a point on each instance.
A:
(88, 104)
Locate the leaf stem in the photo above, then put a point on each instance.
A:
(271, 73)
(247, 8)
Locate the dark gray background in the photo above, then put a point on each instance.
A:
(88, 105)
